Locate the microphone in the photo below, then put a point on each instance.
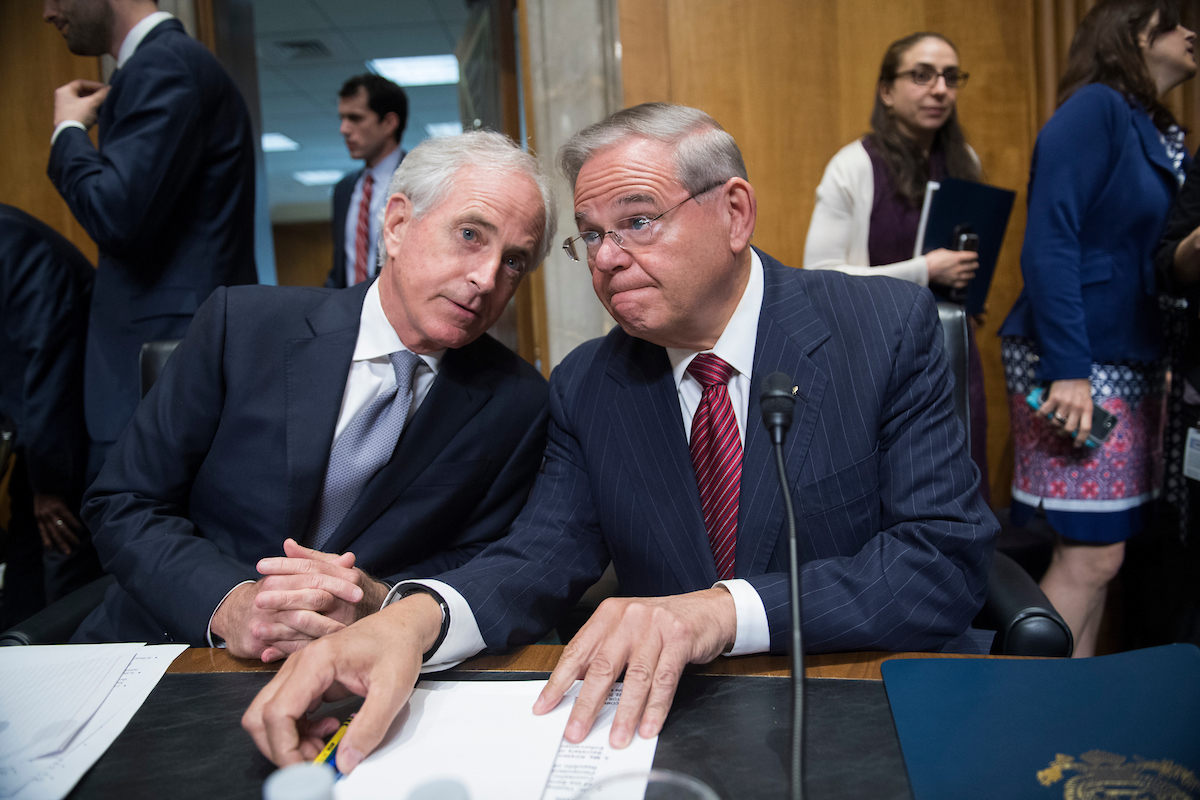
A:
(778, 403)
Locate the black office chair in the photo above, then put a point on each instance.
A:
(1025, 622)
(151, 361)
(55, 623)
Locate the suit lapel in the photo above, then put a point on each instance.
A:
(462, 387)
(788, 332)
(649, 427)
(317, 368)
(109, 107)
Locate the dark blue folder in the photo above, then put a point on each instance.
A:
(1050, 728)
(978, 208)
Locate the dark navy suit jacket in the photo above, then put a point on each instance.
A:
(1100, 188)
(45, 288)
(169, 199)
(894, 538)
(341, 207)
(226, 458)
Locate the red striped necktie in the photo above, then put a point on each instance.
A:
(362, 234)
(717, 459)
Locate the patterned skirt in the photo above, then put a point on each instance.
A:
(1088, 494)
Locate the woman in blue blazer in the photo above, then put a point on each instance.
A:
(1087, 324)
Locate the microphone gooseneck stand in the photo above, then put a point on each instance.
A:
(777, 403)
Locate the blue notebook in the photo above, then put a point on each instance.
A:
(1128, 724)
(966, 206)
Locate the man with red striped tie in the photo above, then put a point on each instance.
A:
(373, 111)
(657, 461)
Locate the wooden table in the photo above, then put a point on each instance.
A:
(543, 657)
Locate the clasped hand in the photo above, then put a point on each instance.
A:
(301, 597)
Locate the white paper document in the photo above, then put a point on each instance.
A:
(578, 766)
(53, 775)
(484, 735)
(49, 693)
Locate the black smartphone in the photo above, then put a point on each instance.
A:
(967, 241)
(1103, 422)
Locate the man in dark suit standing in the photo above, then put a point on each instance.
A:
(373, 111)
(45, 287)
(657, 460)
(379, 419)
(168, 197)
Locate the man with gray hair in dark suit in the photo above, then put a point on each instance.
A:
(305, 449)
(656, 462)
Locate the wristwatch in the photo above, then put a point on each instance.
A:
(423, 589)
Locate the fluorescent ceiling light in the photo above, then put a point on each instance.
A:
(277, 142)
(436, 130)
(417, 70)
(318, 177)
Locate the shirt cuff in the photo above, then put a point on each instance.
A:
(62, 126)
(463, 638)
(753, 633)
(209, 634)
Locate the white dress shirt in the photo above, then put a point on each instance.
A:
(382, 173)
(371, 371)
(736, 347)
(128, 46)
(371, 374)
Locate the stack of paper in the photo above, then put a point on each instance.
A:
(64, 705)
(484, 736)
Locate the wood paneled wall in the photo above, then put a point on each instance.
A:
(303, 252)
(795, 81)
(34, 61)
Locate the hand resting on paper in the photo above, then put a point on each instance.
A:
(377, 658)
(652, 639)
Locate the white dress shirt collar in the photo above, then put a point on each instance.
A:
(735, 346)
(378, 339)
(137, 33)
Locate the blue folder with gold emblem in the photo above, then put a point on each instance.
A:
(1119, 726)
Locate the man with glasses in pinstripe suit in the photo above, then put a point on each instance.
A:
(656, 461)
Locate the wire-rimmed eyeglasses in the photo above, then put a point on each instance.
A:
(636, 231)
(923, 76)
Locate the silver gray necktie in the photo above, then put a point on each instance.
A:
(363, 448)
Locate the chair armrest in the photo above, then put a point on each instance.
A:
(1025, 622)
(56, 622)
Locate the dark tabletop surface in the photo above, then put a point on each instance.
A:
(730, 732)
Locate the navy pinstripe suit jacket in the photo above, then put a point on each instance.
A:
(895, 541)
